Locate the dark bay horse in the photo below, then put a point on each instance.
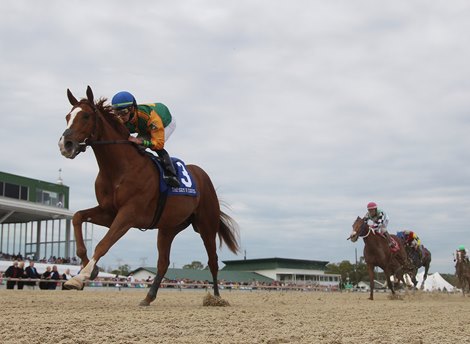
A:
(418, 262)
(378, 253)
(127, 190)
(462, 271)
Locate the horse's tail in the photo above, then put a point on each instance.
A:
(228, 232)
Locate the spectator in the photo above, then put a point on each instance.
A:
(54, 276)
(45, 276)
(21, 274)
(66, 276)
(32, 273)
(130, 280)
(12, 272)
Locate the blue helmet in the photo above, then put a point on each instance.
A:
(123, 100)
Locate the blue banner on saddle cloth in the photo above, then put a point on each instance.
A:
(187, 183)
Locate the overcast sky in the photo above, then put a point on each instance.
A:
(300, 111)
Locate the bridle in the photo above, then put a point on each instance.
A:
(89, 142)
(365, 227)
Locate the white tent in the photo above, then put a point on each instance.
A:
(434, 282)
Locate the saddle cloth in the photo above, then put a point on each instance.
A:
(396, 244)
(187, 183)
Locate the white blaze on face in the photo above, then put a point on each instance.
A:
(73, 114)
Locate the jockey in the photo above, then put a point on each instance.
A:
(153, 124)
(411, 239)
(377, 219)
(461, 249)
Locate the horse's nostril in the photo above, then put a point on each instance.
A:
(68, 145)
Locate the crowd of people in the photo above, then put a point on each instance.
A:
(50, 260)
(20, 276)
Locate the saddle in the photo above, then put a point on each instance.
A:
(396, 245)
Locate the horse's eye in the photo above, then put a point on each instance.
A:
(86, 116)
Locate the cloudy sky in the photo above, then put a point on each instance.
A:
(300, 111)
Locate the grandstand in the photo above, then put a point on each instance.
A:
(35, 221)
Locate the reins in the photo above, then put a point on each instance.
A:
(370, 230)
(104, 142)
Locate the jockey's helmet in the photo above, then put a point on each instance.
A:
(122, 100)
(461, 248)
(371, 205)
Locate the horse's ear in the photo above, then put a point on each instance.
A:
(89, 95)
(72, 99)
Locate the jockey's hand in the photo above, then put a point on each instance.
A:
(136, 140)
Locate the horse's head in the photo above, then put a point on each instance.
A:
(81, 125)
(359, 229)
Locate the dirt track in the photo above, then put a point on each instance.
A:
(36, 316)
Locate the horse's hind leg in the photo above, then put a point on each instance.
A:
(207, 228)
(425, 276)
(164, 239)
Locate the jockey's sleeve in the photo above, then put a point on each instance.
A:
(157, 131)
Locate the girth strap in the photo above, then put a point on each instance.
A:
(159, 211)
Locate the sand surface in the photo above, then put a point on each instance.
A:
(112, 316)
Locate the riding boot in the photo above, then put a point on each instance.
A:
(389, 239)
(170, 174)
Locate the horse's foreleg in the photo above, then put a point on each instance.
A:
(370, 270)
(164, 240)
(118, 228)
(94, 215)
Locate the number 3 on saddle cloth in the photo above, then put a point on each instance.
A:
(187, 185)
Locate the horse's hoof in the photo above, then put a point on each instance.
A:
(74, 284)
(144, 303)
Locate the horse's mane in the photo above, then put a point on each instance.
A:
(107, 111)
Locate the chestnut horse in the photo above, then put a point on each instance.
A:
(462, 271)
(127, 190)
(378, 253)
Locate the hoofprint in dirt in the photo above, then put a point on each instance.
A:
(36, 316)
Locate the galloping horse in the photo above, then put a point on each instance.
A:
(128, 191)
(378, 253)
(418, 262)
(462, 271)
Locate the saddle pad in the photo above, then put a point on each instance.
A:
(187, 183)
(396, 244)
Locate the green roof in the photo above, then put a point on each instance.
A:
(273, 263)
(205, 275)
